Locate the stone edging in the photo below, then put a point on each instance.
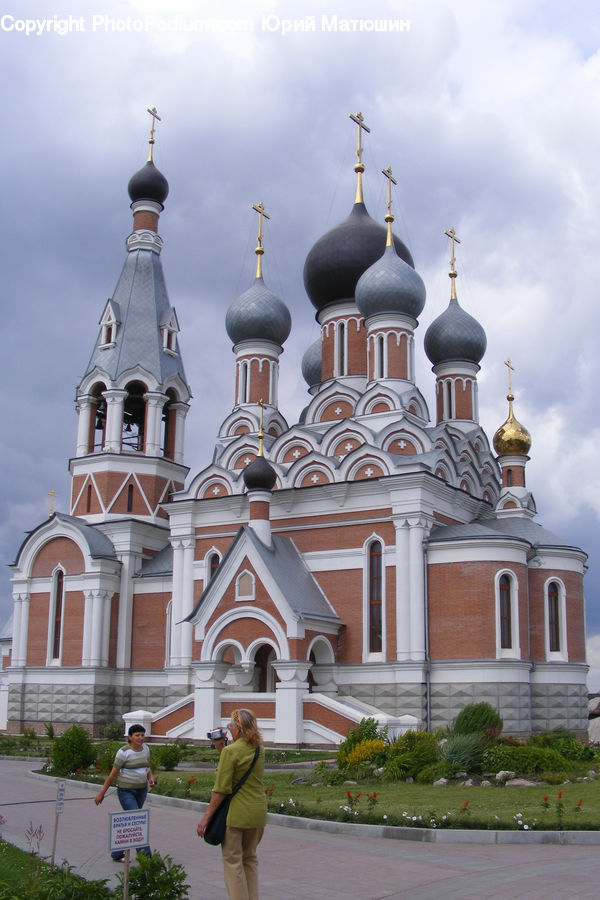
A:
(393, 832)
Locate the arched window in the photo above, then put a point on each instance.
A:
(59, 583)
(213, 565)
(244, 587)
(505, 613)
(243, 382)
(374, 589)
(553, 617)
(380, 356)
(509, 478)
(341, 349)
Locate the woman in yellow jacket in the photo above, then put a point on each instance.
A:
(247, 815)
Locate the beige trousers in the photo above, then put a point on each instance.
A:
(240, 863)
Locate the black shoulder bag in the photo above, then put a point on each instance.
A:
(215, 830)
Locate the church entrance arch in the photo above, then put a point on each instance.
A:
(265, 676)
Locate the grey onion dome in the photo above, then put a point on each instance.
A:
(390, 285)
(337, 260)
(148, 184)
(311, 364)
(258, 314)
(260, 475)
(455, 335)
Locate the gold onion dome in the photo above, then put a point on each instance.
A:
(512, 438)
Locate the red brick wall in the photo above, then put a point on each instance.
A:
(327, 717)
(58, 551)
(464, 399)
(462, 617)
(177, 717)
(148, 630)
(573, 583)
(262, 709)
(72, 628)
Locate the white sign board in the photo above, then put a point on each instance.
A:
(129, 829)
(60, 797)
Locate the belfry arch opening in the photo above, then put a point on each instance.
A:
(265, 676)
(169, 420)
(134, 417)
(98, 420)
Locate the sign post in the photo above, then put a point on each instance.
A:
(60, 805)
(128, 829)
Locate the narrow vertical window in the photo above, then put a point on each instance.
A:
(380, 356)
(213, 565)
(375, 635)
(505, 613)
(509, 478)
(130, 498)
(553, 618)
(88, 502)
(341, 349)
(58, 612)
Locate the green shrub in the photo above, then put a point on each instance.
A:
(106, 755)
(367, 730)
(29, 739)
(63, 884)
(157, 878)
(49, 729)
(410, 753)
(478, 718)
(168, 756)
(364, 751)
(112, 731)
(72, 751)
(528, 760)
(564, 742)
(464, 753)
(436, 770)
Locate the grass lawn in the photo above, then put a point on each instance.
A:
(464, 807)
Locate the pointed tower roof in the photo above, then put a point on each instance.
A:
(140, 302)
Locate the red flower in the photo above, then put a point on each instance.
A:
(349, 794)
(580, 801)
(465, 804)
(559, 794)
(546, 798)
(358, 795)
(374, 793)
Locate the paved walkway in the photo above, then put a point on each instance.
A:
(299, 864)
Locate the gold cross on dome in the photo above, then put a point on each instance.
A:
(260, 209)
(360, 122)
(452, 274)
(52, 495)
(155, 118)
(389, 217)
(509, 368)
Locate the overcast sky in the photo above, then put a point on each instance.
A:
(487, 114)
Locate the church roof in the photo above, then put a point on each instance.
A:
(159, 564)
(99, 545)
(141, 295)
(287, 568)
(523, 529)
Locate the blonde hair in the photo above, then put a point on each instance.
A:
(246, 722)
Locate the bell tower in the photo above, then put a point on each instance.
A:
(133, 398)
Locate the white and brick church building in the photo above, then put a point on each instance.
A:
(363, 561)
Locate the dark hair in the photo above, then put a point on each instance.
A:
(135, 729)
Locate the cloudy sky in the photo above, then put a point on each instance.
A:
(487, 113)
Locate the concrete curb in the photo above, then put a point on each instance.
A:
(392, 832)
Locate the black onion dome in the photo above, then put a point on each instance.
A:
(148, 184)
(311, 364)
(260, 475)
(337, 260)
(390, 285)
(455, 335)
(258, 314)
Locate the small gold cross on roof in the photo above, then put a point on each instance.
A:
(52, 495)
(260, 209)
(155, 118)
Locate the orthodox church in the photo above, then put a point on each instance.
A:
(363, 561)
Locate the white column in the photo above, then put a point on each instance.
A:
(176, 604)
(17, 658)
(417, 589)
(207, 696)
(114, 419)
(129, 563)
(24, 629)
(187, 600)
(180, 411)
(86, 649)
(105, 629)
(97, 623)
(154, 406)
(403, 610)
(86, 407)
(289, 700)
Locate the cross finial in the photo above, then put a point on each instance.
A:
(260, 209)
(452, 274)
(155, 118)
(509, 368)
(389, 217)
(359, 167)
(261, 403)
(52, 495)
